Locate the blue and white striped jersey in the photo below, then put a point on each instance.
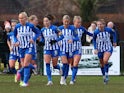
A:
(102, 41)
(68, 34)
(80, 32)
(24, 33)
(15, 49)
(49, 34)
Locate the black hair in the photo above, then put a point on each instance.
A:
(50, 17)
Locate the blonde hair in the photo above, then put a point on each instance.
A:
(32, 17)
(66, 17)
(77, 17)
(24, 13)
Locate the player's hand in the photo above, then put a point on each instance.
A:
(31, 41)
(70, 41)
(16, 44)
(53, 42)
(96, 51)
(114, 44)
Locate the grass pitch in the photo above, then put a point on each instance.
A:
(84, 84)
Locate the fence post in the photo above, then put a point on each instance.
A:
(122, 57)
(40, 59)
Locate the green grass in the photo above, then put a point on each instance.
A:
(84, 84)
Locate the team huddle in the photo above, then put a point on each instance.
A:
(63, 41)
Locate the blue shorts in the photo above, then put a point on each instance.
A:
(14, 57)
(53, 53)
(24, 51)
(67, 54)
(77, 52)
(101, 54)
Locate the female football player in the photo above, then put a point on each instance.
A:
(103, 47)
(23, 36)
(51, 35)
(80, 30)
(66, 47)
(14, 54)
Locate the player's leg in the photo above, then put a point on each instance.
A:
(33, 65)
(100, 56)
(70, 61)
(20, 72)
(19, 65)
(64, 67)
(27, 60)
(47, 59)
(106, 65)
(55, 61)
(102, 67)
(29, 52)
(76, 60)
(12, 60)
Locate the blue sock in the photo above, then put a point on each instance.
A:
(103, 71)
(63, 69)
(57, 67)
(106, 67)
(21, 71)
(74, 73)
(26, 74)
(48, 72)
(67, 69)
(31, 66)
(13, 70)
